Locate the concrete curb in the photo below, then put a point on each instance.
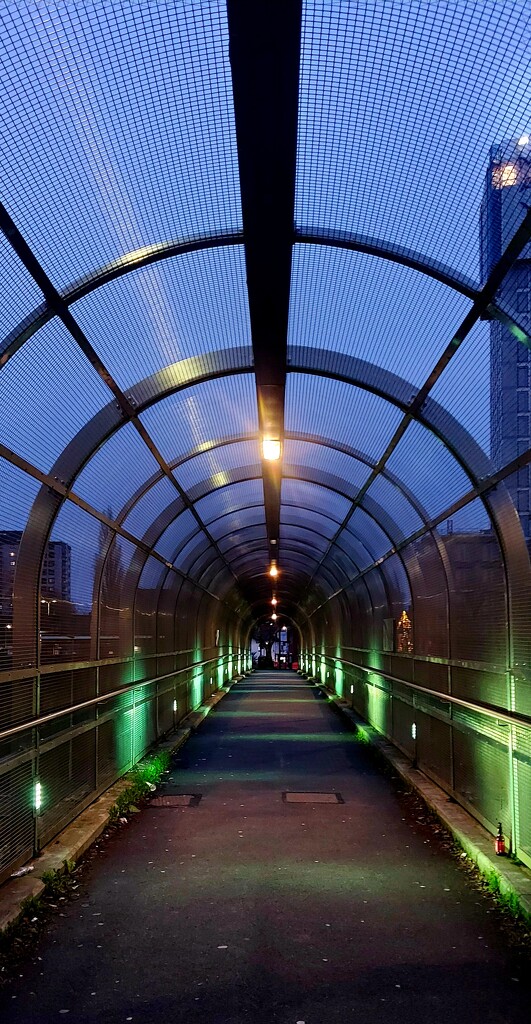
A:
(513, 880)
(77, 837)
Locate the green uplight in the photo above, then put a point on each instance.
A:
(37, 798)
(377, 706)
(339, 679)
(230, 664)
(197, 689)
(521, 335)
(375, 659)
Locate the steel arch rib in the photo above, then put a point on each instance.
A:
(157, 253)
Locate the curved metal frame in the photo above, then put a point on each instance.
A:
(350, 370)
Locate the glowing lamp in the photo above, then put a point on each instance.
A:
(273, 570)
(271, 448)
(274, 616)
(274, 600)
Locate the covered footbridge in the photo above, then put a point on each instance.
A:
(265, 313)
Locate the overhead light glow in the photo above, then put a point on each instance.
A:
(274, 616)
(504, 175)
(273, 570)
(274, 600)
(271, 448)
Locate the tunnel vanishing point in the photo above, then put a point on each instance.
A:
(264, 349)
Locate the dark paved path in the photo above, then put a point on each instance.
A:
(247, 908)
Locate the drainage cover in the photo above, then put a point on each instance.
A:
(178, 800)
(313, 798)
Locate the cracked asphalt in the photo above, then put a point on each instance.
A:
(255, 906)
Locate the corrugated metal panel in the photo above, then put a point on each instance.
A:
(522, 766)
(67, 777)
(434, 747)
(16, 817)
(481, 765)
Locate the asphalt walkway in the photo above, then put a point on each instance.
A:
(252, 904)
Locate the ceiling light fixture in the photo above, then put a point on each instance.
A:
(271, 448)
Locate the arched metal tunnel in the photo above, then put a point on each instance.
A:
(224, 224)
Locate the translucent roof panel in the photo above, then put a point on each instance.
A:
(85, 537)
(39, 395)
(149, 507)
(323, 523)
(218, 461)
(132, 136)
(355, 549)
(290, 533)
(306, 495)
(230, 499)
(187, 306)
(463, 389)
(472, 518)
(331, 408)
(195, 416)
(399, 105)
(190, 551)
(243, 537)
(17, 494)
(177, 534)
(368, 532)
(425, 464)
(324, 458)
(117, 470)
(361, 305)
(228, 524)
(394, 504)
(152, 574)
(20, 294)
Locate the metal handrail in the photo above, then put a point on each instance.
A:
(511, 717)
(104, 697)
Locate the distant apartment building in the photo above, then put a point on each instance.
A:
(506, 198)
(56, 570)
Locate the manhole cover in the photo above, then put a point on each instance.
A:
(178, 800)
(313, 798)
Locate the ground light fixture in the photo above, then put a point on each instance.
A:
(37, 797)
(271, 448)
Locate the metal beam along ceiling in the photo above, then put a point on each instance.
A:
(264, 44)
